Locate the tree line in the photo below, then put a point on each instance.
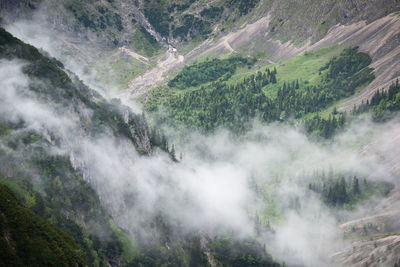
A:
(218, 102)
(339, 189)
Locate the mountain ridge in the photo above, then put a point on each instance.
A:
(106, 161)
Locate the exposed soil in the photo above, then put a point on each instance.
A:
(380, 39)
(376, 231)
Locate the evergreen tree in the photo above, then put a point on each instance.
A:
(172, 154)
(356, 186)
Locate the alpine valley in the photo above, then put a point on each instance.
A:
(200, 133)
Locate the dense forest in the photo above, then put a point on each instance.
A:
(216, 102)
(209, 71)
(63, 189)
(344, 190)
(26, 239)
(61, 203)
(383, 103)
(231, 106)
(166, 18)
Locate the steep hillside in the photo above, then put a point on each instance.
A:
(278, 138)
(27, 239)
(269, 30)
(65, 152)
(274, 32)
(375, 235)
(49, 183)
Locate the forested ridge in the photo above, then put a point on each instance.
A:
(26, 239)
(63, 201)
(345, 190)
(216, 103)
(383, 103)
(217, 169)
(64, 198)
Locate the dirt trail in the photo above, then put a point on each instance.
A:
(230, 42)
(225, 45)
(141, 84)
(380, 39)
(129, 52)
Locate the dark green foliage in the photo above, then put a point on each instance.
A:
(212, 12)
(244, 6)
(156, 11)
(70, 194)
(178, 7)
(62, 90)
(93, 20)
(64, 198)
(344, 74)
(383, 103)
(187, 252)
(208, 71)
(168, 17)
(148, 36)
(224, 105)
(231, 252)
(338, 190)
(145, 43)
(177, 248)
(233, 106)
(193, 26)
(325, 127)
(28, 240)
(347, 72)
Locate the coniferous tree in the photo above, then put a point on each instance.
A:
(356, 186)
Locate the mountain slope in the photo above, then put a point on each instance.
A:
(28, 240)
(144, 45)
(266, 29)
(65, 151)
(29, 141)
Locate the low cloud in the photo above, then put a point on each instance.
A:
(212, 189)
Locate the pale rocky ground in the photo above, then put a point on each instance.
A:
(375, 233)
(380, 245)
(380, 39)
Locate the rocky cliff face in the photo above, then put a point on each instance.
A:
(92, 31)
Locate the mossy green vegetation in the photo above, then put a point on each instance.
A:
(209, 71)
(156, 11)
(26, 239)
(187, 20)
(208, 99)
(55, 190)
(192, 25)
(341, 190)
(118, 72)
(144, 43)
(228, 251)
(305, 68)
(384, 104)
(98, 18)
(130, 249)
(65, 200)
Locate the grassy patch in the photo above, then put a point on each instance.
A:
(130, 249)
(118, 73)
(144, 43)
(304, 67)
